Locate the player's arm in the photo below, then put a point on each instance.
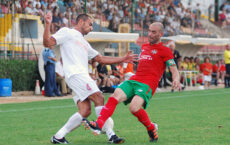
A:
(129, 58)
(48, 41)
(175, 74)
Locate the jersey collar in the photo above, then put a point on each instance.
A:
(156, 44)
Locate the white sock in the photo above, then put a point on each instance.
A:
(108, 126)
(73, 122)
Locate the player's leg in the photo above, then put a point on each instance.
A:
(79, 86)
(106, 112)
(84, 110)
(137, 110)
(108, 128)
(141, 99)
(109, 108)
(98, 100)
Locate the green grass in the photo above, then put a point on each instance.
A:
(193, 117)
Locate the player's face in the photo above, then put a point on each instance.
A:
(87, 26)
(228, 47)
(154, 34)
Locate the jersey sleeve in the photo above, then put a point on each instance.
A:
(61, 35)
(167, 54)
(91, 52)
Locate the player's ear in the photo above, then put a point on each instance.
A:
(162, 34)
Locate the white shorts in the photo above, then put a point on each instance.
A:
(207, 78)
(82, 85)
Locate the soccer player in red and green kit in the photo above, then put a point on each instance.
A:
(139, 89)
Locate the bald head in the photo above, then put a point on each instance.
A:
(155, 32)
(159, 25)
(172, 45)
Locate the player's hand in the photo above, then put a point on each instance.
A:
(176, 85)
(130, 57)
(48, 18)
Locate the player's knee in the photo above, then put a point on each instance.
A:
(85, 113)
(97, 98)
(115, 97)
(119, 95)
(133, 108)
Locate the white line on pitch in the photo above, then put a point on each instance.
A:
(160, 98)
(191, 95)
(39, 108)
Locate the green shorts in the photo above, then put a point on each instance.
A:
(132, 88)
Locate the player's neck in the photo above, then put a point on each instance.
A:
(158, 42)
(78, 29)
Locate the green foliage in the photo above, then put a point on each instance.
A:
(23, 73)
(184, 118)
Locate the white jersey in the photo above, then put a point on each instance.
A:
(59, 69)
(75, 51)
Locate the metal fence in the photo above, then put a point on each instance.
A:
(21, 51)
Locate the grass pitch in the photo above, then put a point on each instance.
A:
(184, 118)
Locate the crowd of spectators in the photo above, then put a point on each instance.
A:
(224, 14)
(197, 71)
(108, 77)
(171, 13)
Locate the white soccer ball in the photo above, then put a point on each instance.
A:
(156, 126)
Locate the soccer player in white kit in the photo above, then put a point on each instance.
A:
(75, 53)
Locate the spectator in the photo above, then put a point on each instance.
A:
(42, 12)
(106, 81)
(36, 2)
(207, 71)
(199, 76)
(120, 69)
(175, 53)
(56, 23)
(94, 73)
(184, 64)
(49, 8)
(54, 5)
(60, 78)
(36, 10)
(50, 77)
(191, 64)
(29, 9)
(227, 66)
(73, 20)
(18, 6)
(5, 8)
(102, 73)
(227, 20)
(128, 70)
(219, 72)
(222, 70)
(115, 73)
(222, 15)
(66, 20)
(120, 11)
(113, 23)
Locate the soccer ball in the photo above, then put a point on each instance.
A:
(156, 126)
